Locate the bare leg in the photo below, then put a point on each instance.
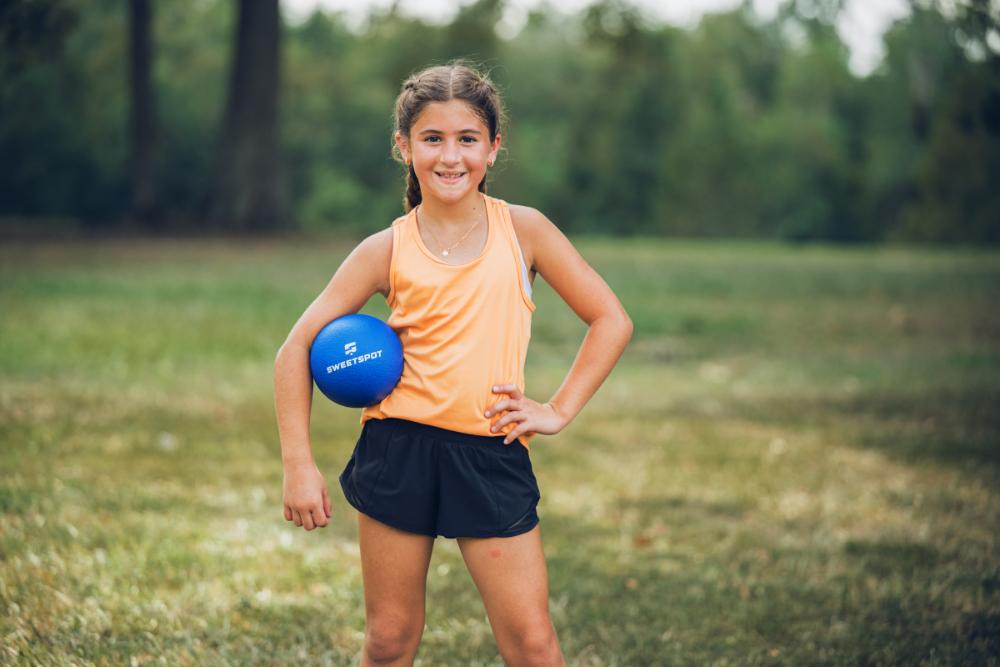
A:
(394, 567)
(511, 575)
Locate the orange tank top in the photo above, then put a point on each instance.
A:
(464, 328)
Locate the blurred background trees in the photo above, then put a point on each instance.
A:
(738, 127)
(142, 119)
(247, 190)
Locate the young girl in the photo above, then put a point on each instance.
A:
(447, 452)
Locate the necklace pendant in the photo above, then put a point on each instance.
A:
(444, 252)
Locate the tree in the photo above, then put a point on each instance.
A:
(246, 194)
(144, 208)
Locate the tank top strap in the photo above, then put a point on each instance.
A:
(501, 214)
(400, 229)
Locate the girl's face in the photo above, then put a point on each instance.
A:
(449, 147)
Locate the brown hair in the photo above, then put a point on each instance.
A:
(441, 83)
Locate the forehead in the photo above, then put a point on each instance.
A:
(450, 116)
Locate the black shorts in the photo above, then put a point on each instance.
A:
(429, 480)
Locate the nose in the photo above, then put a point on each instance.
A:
(450, 153)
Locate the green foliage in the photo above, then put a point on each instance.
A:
(62, 130)
(191, 56)
(737, 127)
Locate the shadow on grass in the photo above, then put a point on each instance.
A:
(959, 426)
(892, 557)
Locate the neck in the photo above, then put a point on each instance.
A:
(457, 214)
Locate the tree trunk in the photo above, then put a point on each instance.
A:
(144, 207)
(246, 194)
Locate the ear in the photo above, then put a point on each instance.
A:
(496, 147)
(403, 145)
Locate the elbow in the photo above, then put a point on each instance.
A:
(279, 354)
(619, 321)
(627, 326)
(288, 346)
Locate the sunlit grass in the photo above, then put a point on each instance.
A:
(795, 463)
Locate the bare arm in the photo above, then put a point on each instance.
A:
(363, 273)
(583, 290)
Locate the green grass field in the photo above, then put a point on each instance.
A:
(795, 463)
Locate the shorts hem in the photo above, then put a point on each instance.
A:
(393, 522)
(378, 516)
(510, 533)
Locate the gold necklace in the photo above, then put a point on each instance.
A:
(444, 252)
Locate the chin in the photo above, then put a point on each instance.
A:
(453, 196)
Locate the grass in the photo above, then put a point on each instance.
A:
(795, 462)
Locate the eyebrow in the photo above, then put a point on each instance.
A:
(465, 131)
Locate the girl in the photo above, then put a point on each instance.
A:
(446, 453)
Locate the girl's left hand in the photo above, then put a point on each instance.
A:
(534, 417)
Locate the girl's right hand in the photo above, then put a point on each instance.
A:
(306, 500)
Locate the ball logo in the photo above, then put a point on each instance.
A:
(351, 347)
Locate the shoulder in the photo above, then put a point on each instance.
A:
(528, 220)
(375, 253)
(378, 243)
(375, 247)
(535, 232)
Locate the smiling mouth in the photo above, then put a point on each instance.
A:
(450, 176)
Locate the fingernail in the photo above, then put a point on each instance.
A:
(495, 388)
(487, 413)
(493, 429)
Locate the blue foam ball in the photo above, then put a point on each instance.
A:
(356, 360)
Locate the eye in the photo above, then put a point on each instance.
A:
(471, 139)
(431, 137)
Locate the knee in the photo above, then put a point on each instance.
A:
(539, 648)
(388, 640)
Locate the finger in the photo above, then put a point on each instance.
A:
(319, 517)
(516, 433)
(307, 520)
(499, 407)
(298, 517)
(327, 506)
(509, 404)
(288, 513)
(510, 389)
(508, 418)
